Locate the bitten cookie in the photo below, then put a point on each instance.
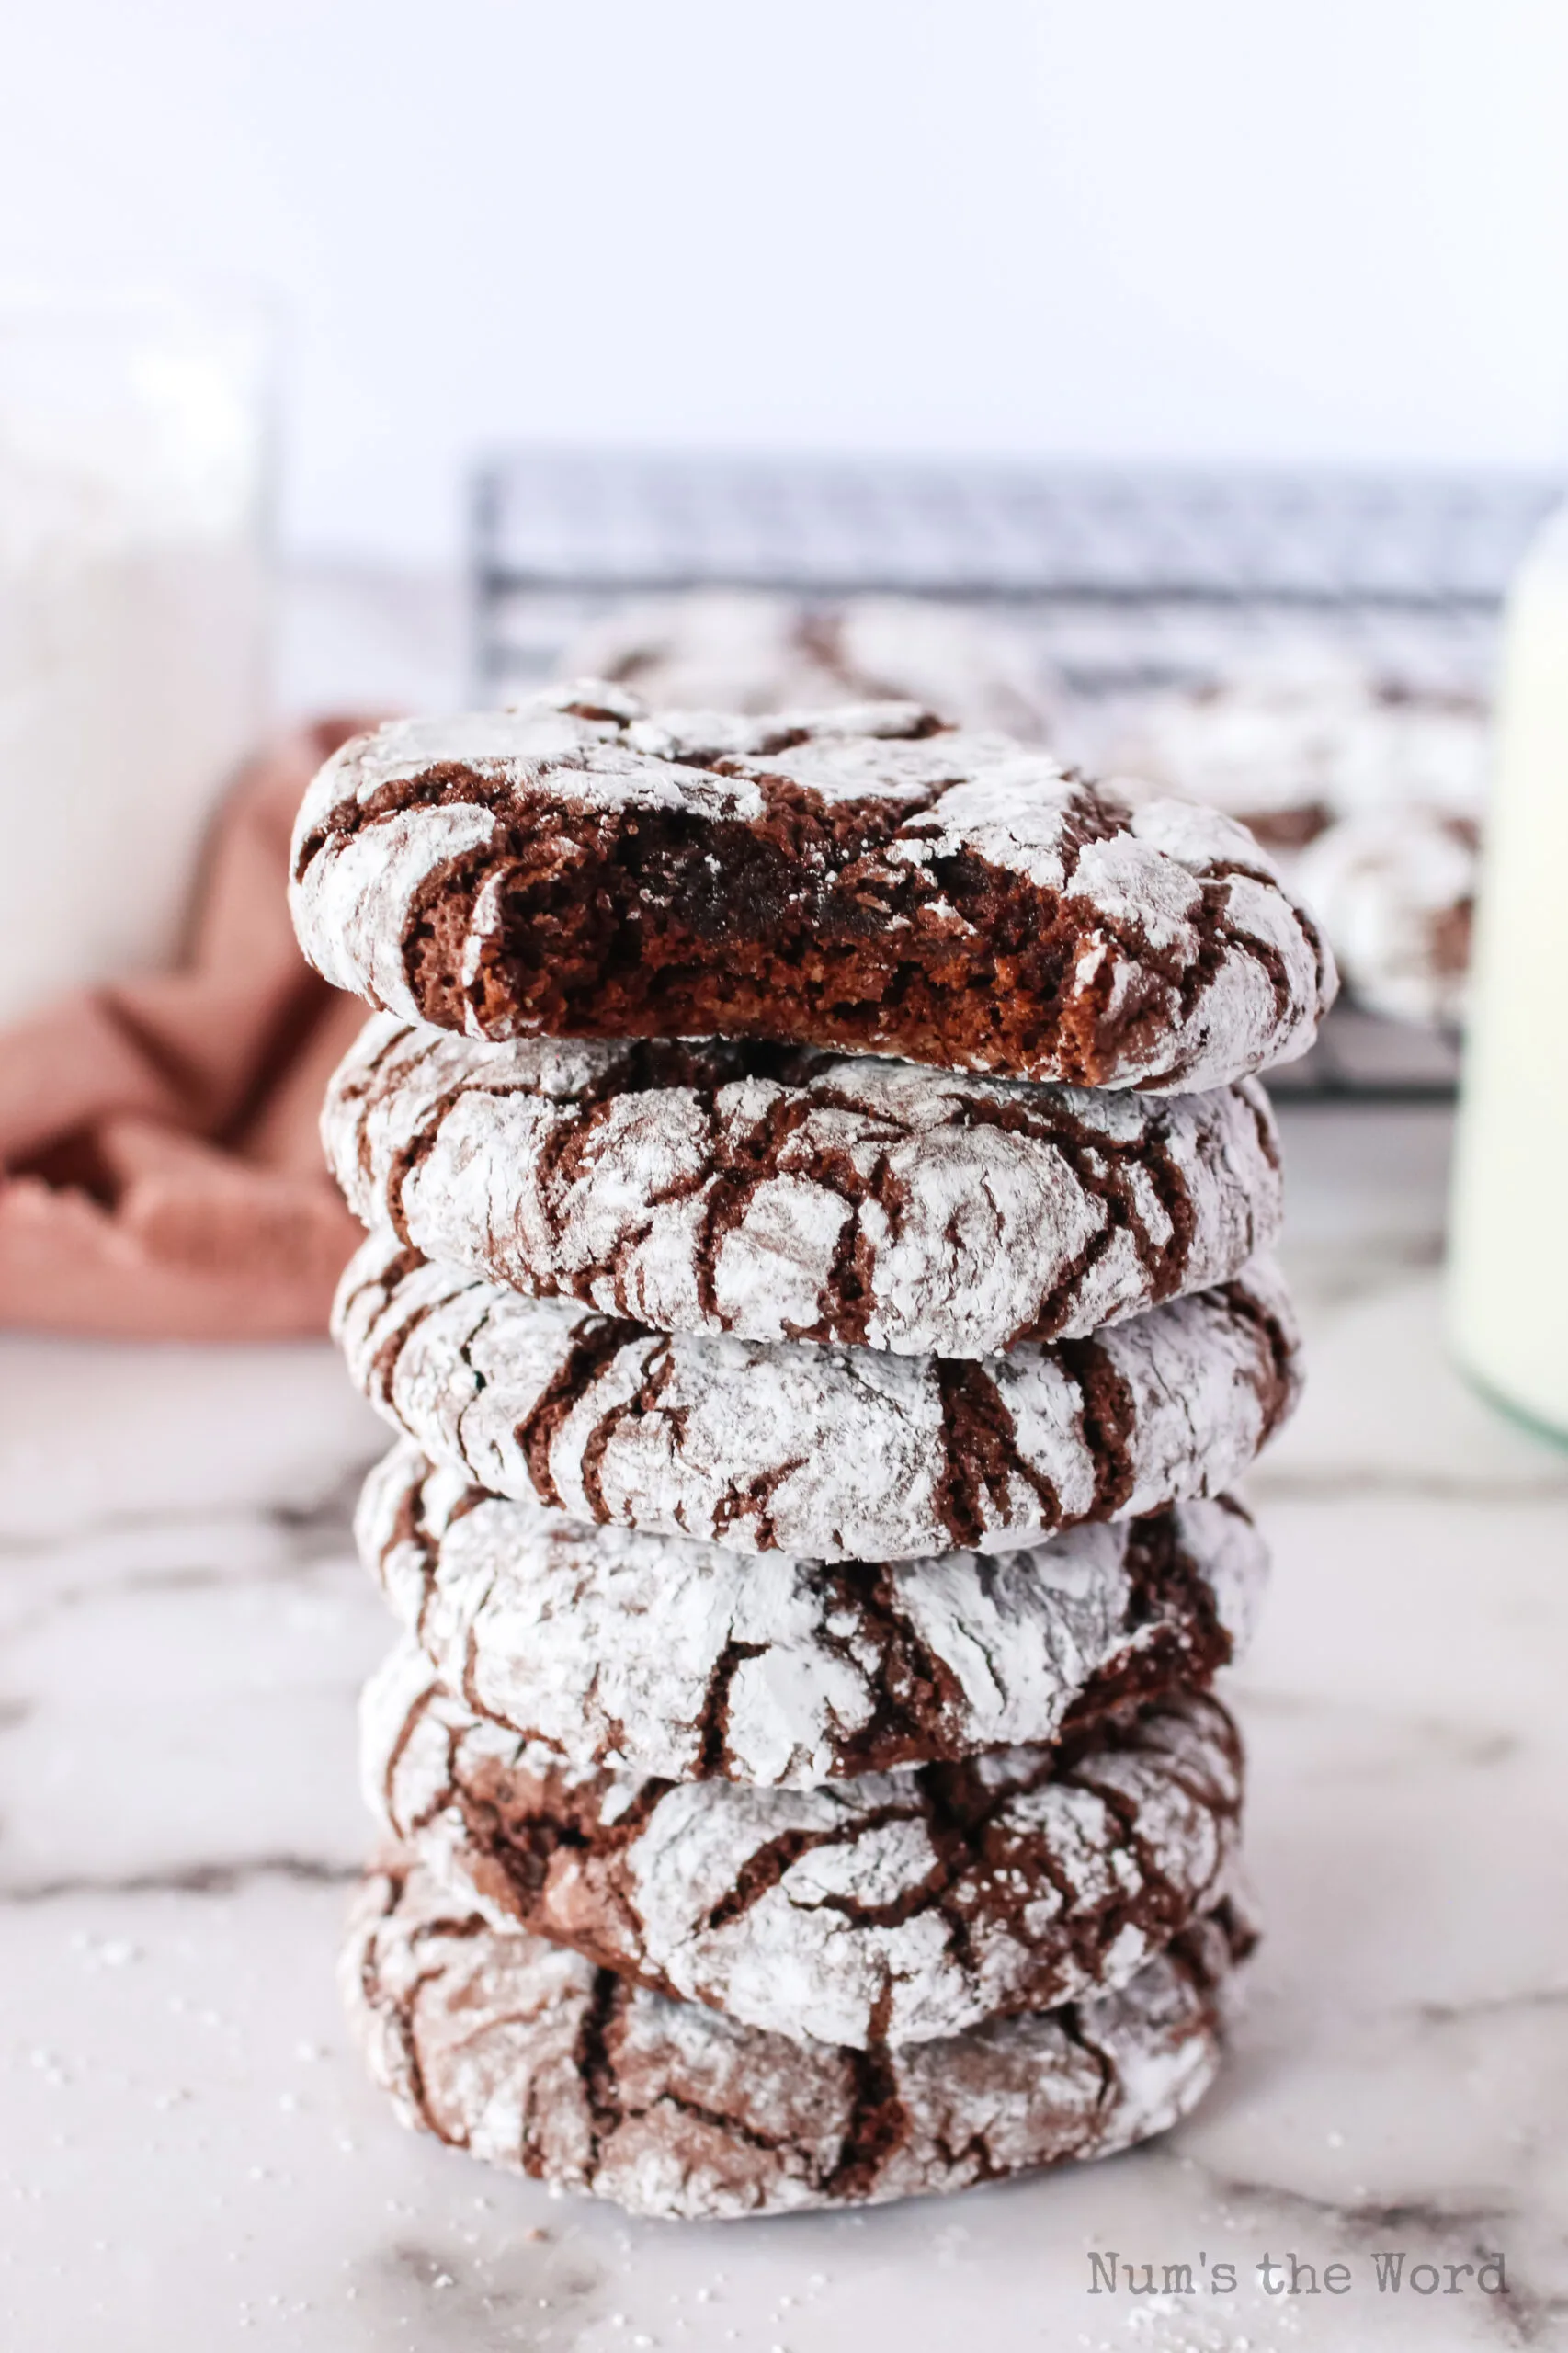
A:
(655, 1654)
(724, 1188)
(526, 2056)
(861, 879)
(831, 1453)
(891, 1908)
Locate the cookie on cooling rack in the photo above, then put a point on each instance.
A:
(735, 649)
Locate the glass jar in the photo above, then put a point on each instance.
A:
(134, 446)
(1508, 1263)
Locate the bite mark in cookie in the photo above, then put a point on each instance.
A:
(863, 879)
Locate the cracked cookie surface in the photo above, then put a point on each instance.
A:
(726, 1187)
(864, 878)
(826, 1452)
(737, 649)
(891, 1908)
(653, 1653)
(524, 2054)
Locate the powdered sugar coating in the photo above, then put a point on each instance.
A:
(525, 2055)
(611, 1649)
(1396, 888)
(894, 1907)
(836, 1454)
(730, 649)
(1187, 965)
(1291, 740)
(852, 1199)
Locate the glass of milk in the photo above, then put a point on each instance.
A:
(1508, 1260)
(133, 619)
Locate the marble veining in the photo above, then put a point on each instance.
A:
(189, 2156)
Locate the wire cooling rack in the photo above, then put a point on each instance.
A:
(1125, 579)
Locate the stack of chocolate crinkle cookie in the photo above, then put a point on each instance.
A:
(818, 1208)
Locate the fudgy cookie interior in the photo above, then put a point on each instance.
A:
(794, 925)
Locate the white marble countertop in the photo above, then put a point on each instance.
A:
(190, 2157)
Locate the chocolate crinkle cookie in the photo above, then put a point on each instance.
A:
(1398, 888)
(531, 2058)
(830, 1453)
(864, 878)
(891, 1908)
(605, 1648)
(735, 1188)
(1292, 740)
(737, 649)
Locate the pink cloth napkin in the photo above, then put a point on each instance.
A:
(160, 1172)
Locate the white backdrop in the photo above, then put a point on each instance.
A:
(1266, 229)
